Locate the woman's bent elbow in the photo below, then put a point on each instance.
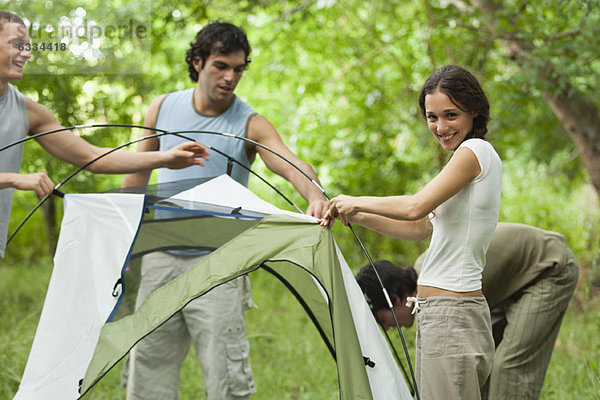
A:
(414, 214)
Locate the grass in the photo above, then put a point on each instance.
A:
(288, 357)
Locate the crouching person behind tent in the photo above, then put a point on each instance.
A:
(529, 277)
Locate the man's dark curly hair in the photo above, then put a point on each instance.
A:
(216, 38)
(397, 281)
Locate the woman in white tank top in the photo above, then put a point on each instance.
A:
(460, 206)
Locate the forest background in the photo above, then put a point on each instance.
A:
(339, 80)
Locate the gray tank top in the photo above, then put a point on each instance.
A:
(177, 113)
(14, 125)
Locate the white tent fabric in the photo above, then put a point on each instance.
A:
(79, 299)
(385, 378)
(224, 191)
(77, 302)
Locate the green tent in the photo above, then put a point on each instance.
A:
(78, 342)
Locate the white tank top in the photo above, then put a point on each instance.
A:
(463, 227)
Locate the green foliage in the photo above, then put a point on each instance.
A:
(574, 370)
(22, 291)
(340, 81)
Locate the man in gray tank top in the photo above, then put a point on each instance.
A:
(213, 323)
(528, 279)
(20, 116)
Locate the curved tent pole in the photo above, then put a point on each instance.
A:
(134, 141)
(70, 128)
(408, 380)
(387, 297)
(391, 308)
(316, 184)
(162, 133)
(180, 134)
(256, 175)
(57, 192)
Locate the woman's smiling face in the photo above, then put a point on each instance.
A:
(448, 122)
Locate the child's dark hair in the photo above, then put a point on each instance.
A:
(397, 281)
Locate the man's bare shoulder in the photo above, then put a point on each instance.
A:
(152, 112)
(40, 117)
(157, 101)
(260, 128)
(33, 106)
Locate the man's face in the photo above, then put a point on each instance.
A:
(13, 37)
(220, 75)
(403, 314)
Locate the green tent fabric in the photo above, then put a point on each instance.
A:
(298, 251)
(77, 342)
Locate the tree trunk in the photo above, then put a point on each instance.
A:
(578, 116)
(581, 119)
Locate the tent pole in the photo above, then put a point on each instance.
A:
(390, 307)
(408, 379)
(179, 133)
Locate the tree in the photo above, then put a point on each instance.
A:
(556, 43)
(340, 80)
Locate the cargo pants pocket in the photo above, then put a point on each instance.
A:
(241, 382)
